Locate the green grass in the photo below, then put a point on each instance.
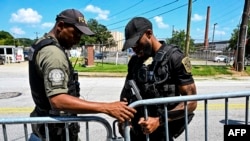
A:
(103, 67)
(247, 70)
(197, 70)
(203, 70)
(98, 66)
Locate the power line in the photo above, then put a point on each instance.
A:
(155, 15)
(143, 13)
(157, 8)
(226, 15)
(126, 9)
(173, 9)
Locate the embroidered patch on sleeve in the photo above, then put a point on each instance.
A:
(187, 64)
(56, 77)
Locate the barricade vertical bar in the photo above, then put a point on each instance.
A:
(87, 131)
(146, 118)
(247, 107)
(47, 132)
(67, 131)
(226, 111)
(47, 121)
(5, 133)
(127, 131)
(25, 131)
(205, 120)
(166, 121)
(186, 121)
(114, 129)
(136, 92)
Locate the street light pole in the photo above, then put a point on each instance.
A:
(14, 34)
(213, 35)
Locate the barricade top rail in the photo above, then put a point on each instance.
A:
(53, 120)
(65, 119)
(190, 98)
(201, 97)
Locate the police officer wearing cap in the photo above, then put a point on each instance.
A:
(54, 83)
(168, 75)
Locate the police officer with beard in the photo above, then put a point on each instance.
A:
(168, 75)
(53, 81)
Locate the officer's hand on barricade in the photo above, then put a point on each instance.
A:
(121, 127)
(150, 125)
(120, 111)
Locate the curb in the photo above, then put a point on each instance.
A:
(123, 75)
(101, 74)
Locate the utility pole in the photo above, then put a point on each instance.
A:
(188, 27)
(14, 39)
(242, 37)
(172, 31)
(36, 34)
(213, 45)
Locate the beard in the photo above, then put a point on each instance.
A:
(147, 50)
(64, 42)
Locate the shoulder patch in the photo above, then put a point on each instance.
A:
(56, 77)
(187, 64)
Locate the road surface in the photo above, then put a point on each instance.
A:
(16, 101)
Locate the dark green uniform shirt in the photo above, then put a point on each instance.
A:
(54, 68)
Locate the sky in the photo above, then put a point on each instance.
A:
(33, 18)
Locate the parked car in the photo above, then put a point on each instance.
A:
(100, 56)
(2, 60)
(26, 55)
(229, 59)
(220, 58)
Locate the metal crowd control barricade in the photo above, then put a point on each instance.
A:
(45, 120)
(185, 99)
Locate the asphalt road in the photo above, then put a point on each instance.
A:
(14, 82)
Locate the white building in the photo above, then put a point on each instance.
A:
(119, 39)
(12, 54)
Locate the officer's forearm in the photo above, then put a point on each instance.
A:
(178, 112)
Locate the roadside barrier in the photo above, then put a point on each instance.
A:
(45, 120)
(111, 134)
(185, 99)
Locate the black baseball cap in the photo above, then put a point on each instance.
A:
(76, 18)
(135, 28)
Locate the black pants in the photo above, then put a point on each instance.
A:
(151, 137)
(158, 135)
(56, 131)
(176, 128)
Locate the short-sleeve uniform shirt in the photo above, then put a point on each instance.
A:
(53, 66)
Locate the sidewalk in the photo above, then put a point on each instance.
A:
(226, 77)
(101, 74)
(23, 66)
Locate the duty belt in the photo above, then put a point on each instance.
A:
(59, 113)
(44, 112)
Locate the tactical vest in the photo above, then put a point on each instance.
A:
(155, 79)
(37, 82)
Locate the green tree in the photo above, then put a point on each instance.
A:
(179, 38)
(235, 35)
(6, 38)
(101, 36)
(26, 42)
(5, 35)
